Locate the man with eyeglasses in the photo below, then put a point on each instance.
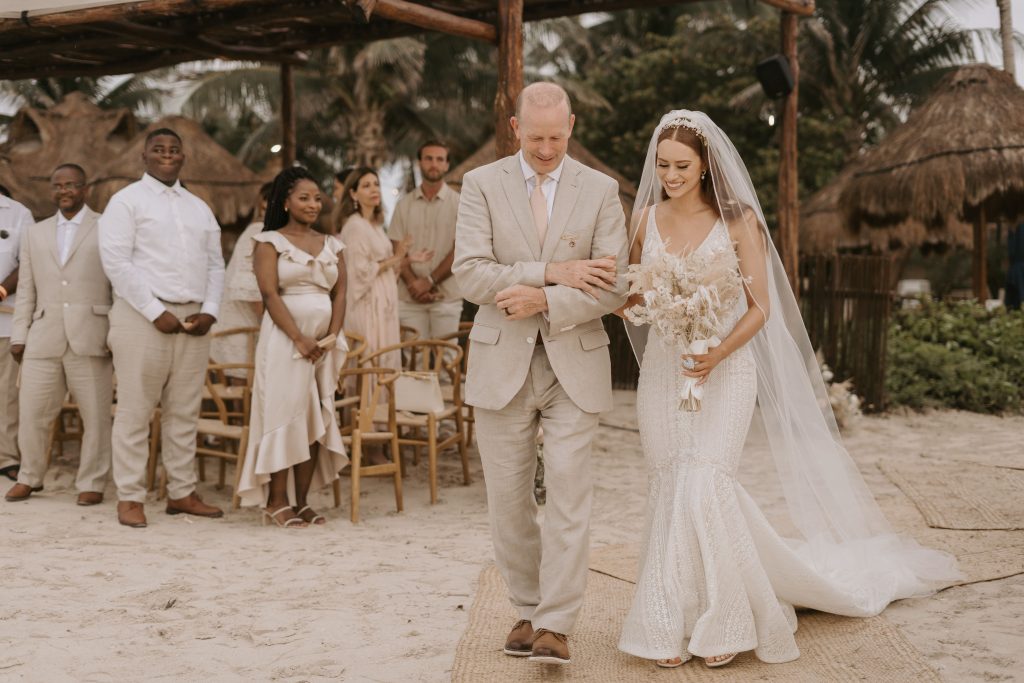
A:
(60, 339)
(15, 220)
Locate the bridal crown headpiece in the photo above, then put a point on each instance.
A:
(688, 124)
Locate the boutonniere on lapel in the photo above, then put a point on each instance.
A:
(4, 234)
(571, 239)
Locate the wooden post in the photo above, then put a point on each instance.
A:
(789, 201)
(287, 117)
(980, 256)
(510, 74)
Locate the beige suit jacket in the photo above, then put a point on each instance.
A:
(61, 306)
(496, 246)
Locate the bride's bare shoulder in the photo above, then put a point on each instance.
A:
(639, 226)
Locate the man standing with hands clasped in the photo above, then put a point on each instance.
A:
(160, 246)
(60, 339)
(429, 299)
(541, 247)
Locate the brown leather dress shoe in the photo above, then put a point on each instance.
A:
(130, 513)
(520, 640)
(192, 505)
(90, 498)
(20, 492)
(550, 647)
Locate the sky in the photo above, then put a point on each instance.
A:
(985, 14)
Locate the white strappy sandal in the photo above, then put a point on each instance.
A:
(292, 523)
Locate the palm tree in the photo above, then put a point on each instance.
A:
(868, 61)
(1006, 37)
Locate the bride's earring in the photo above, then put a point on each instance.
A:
(702, 174)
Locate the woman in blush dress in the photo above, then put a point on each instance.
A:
(294, 442)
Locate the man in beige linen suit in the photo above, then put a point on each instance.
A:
(60, 338)
(541, 247)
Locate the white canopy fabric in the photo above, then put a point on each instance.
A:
(13, 9)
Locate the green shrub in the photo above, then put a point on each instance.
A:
(956, 355)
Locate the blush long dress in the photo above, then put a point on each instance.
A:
(293, 399)
(372, 294)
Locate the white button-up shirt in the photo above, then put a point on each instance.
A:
(162, 243)
(14, 218)
(550, 185)
(66, 229)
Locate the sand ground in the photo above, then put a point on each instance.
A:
(186, 599)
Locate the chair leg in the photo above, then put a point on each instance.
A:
(154, 450)
(460, 424)
(222, 470)
(336, 489)
(432, 456)
(202, 466)
(357, 458)
(243, 446)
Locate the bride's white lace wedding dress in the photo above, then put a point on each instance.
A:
(714, 576)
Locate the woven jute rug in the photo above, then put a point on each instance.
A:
(960, 495)
(832, 648)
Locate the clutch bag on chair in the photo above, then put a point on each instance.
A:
(418, 392)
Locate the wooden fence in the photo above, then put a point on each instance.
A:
(846, 301)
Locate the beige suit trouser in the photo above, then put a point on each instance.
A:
(155, 369)
(545, 567)
(8, 405)
(44, 382)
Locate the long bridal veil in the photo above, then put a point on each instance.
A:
(843, 534)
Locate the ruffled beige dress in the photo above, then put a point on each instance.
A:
(293, 399)
(372, 295)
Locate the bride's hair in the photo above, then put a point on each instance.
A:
(691, 139)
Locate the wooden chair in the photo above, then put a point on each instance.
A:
(231, 391)
(230, 433)
(364, 428)
(440, 358)
(67, 427)
(462, 339)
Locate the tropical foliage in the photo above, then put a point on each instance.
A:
(956, 355)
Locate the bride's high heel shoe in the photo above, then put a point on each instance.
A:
(720, 662)
(673, 663)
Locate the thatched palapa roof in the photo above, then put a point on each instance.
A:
(486, 154)
(824, 229)
(210, 172)
(74, 131)
(40, 38)
(960, 150)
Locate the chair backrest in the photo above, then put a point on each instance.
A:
(356, 347)
(432, 355)
(371, 393)
(217, 390)
(462, 339)
(251, 334)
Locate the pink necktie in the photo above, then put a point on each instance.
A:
(539, 206)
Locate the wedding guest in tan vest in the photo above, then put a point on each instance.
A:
(60, 339)
(160, 247)
(428, 297)
(15, 219)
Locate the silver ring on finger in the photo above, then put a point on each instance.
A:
(689, 364)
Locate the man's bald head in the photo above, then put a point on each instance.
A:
(543, 124)
(542, 95)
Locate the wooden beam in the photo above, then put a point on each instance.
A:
(510, 74)
(980, 256)
(428, 18)
(200, 45)
(126, 11)
(789, 200)
(288, 140)
(803, 8)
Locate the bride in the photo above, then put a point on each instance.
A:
(715, 578)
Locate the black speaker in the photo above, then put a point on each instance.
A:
(775, 77)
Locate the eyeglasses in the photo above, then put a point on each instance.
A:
(66, 186)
